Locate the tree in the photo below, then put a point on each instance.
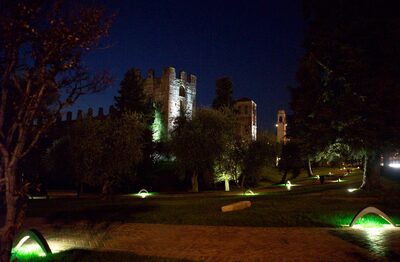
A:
(132, 97)
(229, 165)
(224, 91)
(106, 151)
(86, 137)
(348, 80)
(197, 143)
(290, 160)
(41, 72)
(259, 154)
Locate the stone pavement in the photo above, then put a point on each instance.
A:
(225, 243)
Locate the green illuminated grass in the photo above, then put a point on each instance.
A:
(328, 205)
(371, 221)
(28, 252)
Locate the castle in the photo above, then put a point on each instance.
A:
(171, 94)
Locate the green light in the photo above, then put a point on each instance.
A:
(28, 251)
(158, 126)
(39, 248)
(372, 221)
(143, 193)
(378, 219)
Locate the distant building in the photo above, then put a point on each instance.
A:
(246, 110)
(171, 94)
(281, 127)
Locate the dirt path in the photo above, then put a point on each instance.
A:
(222, 243)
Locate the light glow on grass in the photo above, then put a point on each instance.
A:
(352, 189)
(288, 185)
(143, 193)
(371, 217)
(249, 192)
(28, 251)
(38, 247)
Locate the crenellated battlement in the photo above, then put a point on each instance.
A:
(69, 116)
(170, 73)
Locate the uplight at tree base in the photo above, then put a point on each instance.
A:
(288, 185)
(249, 192)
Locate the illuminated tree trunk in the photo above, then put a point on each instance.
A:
(371, 174)
(227, 184)
(309, 168)
(195, 182)
(15, 212)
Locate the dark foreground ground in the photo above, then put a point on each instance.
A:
(307, 223)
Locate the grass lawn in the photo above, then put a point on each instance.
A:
(313, 205)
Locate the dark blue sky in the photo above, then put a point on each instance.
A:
(255, 43)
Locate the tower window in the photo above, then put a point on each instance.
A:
(182, 91)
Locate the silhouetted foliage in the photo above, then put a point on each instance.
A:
(223, 93)
(348, 80)
(197, 143)
(41, 46)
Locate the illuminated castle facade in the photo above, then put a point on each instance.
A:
(171, 93)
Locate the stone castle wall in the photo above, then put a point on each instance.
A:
(171, 93)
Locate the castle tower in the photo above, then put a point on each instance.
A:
(171, 94)
(246, 112)
(281, 127)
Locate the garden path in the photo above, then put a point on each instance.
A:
(226, 243)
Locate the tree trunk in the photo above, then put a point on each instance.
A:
(242, 183)
(283, 180)
(15, 213)
(195, 182)
(226, 184)
(309, 169)
(371, 175)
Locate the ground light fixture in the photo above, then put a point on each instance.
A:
(143, 193)
(370, 210)
(249, 192)
(288, 185)
(21, 249)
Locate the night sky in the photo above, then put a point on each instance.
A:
(256, 43)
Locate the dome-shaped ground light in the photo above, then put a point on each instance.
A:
(34, 235)
(369, 210)
(143, 193)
